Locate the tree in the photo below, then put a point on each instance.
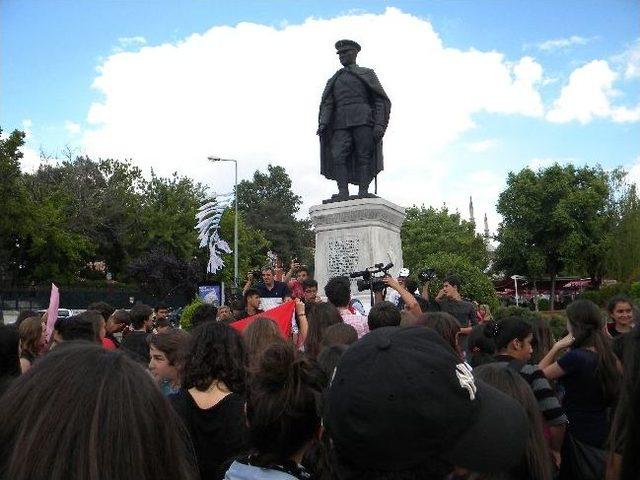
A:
(14, 203)
(623, 254)
(554, 219)
(426, 231)
(268, 204)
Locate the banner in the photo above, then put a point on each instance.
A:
(52, 311)
(282, 315)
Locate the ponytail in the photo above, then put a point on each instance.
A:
(283, 408)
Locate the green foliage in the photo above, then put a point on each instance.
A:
(512, 311)
(601, 297)
(623, 255)
(476, 285)
(554, 219)
(252, 247)
(428, 231)
(268, 204)
(187, 313)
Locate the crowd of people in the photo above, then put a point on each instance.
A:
(417, 388)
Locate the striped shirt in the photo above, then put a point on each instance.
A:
(548, 403)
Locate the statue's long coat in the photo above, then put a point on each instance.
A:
(325, 116)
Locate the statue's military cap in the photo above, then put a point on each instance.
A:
(342, 45)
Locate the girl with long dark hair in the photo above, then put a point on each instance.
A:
(282, 414)
(536, 464)
(211, 400)
(590, 376)
(84, 413)
(321, 317)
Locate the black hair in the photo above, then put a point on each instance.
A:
(536, 462)
(77, 328)
(383, 314)
(320, 317)
(452, 279)
(204, 313)
(283, 411)
(626, 425)
(139, 314)
(99, 405)
(96, 318)
(250, 293)
(302, 268)
(506, 330)
(338, 291)
(586, 322)
(161, 306)
(614, 301)
(329, 357)
(411, 284)
(309, 283)
(425, 305)
(105, 309)
(481, 346)
(216, 353)
(9, 359)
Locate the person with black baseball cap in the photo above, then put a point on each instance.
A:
(402, 405)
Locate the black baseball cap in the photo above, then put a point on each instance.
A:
(400, 397)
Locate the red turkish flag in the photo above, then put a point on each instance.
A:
(281, 315)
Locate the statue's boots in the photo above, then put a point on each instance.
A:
(363, 182)
(343, 184)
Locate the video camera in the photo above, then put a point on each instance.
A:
(427, 275)
(368, 281)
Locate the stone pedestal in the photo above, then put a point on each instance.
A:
(353, 235)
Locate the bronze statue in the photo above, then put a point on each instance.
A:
(354, 114)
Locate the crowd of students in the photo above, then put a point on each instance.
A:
(392, 395)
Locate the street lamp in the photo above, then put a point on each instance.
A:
(235, 218)
(515, 279)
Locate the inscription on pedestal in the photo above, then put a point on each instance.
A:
(343, 256)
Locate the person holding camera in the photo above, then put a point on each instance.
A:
(450, 301)
(272, 292)
(404, 296)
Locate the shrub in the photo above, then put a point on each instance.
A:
(187, 313)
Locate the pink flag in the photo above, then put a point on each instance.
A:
(52, 311)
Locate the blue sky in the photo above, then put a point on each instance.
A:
(51, 52)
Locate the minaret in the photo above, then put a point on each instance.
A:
(486, 229)
(472, 219)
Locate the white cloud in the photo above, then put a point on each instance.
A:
(562, 43)
(27, 123)
(30, 159)
(72, 128)
(482, 146)
(251, 92)
(589, 95)
(629, 61)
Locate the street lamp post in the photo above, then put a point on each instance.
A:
(235, 217)
(515, 279)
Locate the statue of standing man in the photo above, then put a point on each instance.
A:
(354, 114)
